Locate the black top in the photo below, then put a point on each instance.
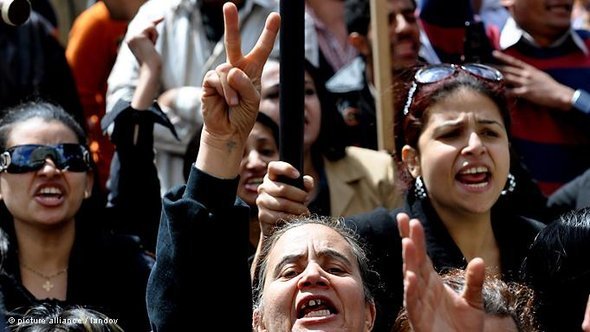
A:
(108, 266)
(106, 273)
(378, 228)
(202, 256)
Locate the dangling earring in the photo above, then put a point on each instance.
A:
(510, 184)
(419, 188)
(86, 193)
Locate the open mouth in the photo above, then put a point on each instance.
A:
(316, 308)
(476, 177)
(50, 192)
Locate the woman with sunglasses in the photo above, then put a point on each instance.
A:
(61, 247)
(453, 147)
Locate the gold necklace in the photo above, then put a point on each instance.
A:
(47, 285)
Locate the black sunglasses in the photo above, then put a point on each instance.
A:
(436, 73)
(31, 157)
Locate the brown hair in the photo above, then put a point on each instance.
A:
(408, 127)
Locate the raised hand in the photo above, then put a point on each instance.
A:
(277, 200)
(430, 304)
(142, 42)
(231, 96)
(528, 82)
(142, 45)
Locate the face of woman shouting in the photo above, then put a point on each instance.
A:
(462, 153)
(47, 195)
(311, 281)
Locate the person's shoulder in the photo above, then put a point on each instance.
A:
(94, 14)
(372, 160)
(527, 225)
(374, 221)
(367, 158)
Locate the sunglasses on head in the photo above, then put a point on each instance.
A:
(436, 73)
(31, 157)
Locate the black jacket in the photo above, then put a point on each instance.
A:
(108, 266)
(379, 230)
(202, 256)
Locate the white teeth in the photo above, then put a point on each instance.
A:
(255, 181)
(50, 191)
(311, 303)
(475, 170)
(318, 313)
(478, 185)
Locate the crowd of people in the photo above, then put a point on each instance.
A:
(166, 137)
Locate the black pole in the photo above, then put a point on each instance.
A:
(291, 97)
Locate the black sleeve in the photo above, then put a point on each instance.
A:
(134, 188)
(201, 255)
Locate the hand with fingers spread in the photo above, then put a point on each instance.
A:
(231, 96)
(431, 305)
(526, 81)
(279, 201)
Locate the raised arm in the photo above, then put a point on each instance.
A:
(188, 269)
(134, 187)
(231, 96)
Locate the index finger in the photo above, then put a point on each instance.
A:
(231, 38)
(510, 60)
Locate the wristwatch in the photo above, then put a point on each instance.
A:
(581, 101)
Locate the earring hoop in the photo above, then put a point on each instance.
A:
(419, 188)
(510, 185)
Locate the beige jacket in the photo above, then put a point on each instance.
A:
(362, 181)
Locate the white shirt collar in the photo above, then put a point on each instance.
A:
(511, 34)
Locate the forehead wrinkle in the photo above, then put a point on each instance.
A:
(325, 253)
(464, 117)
